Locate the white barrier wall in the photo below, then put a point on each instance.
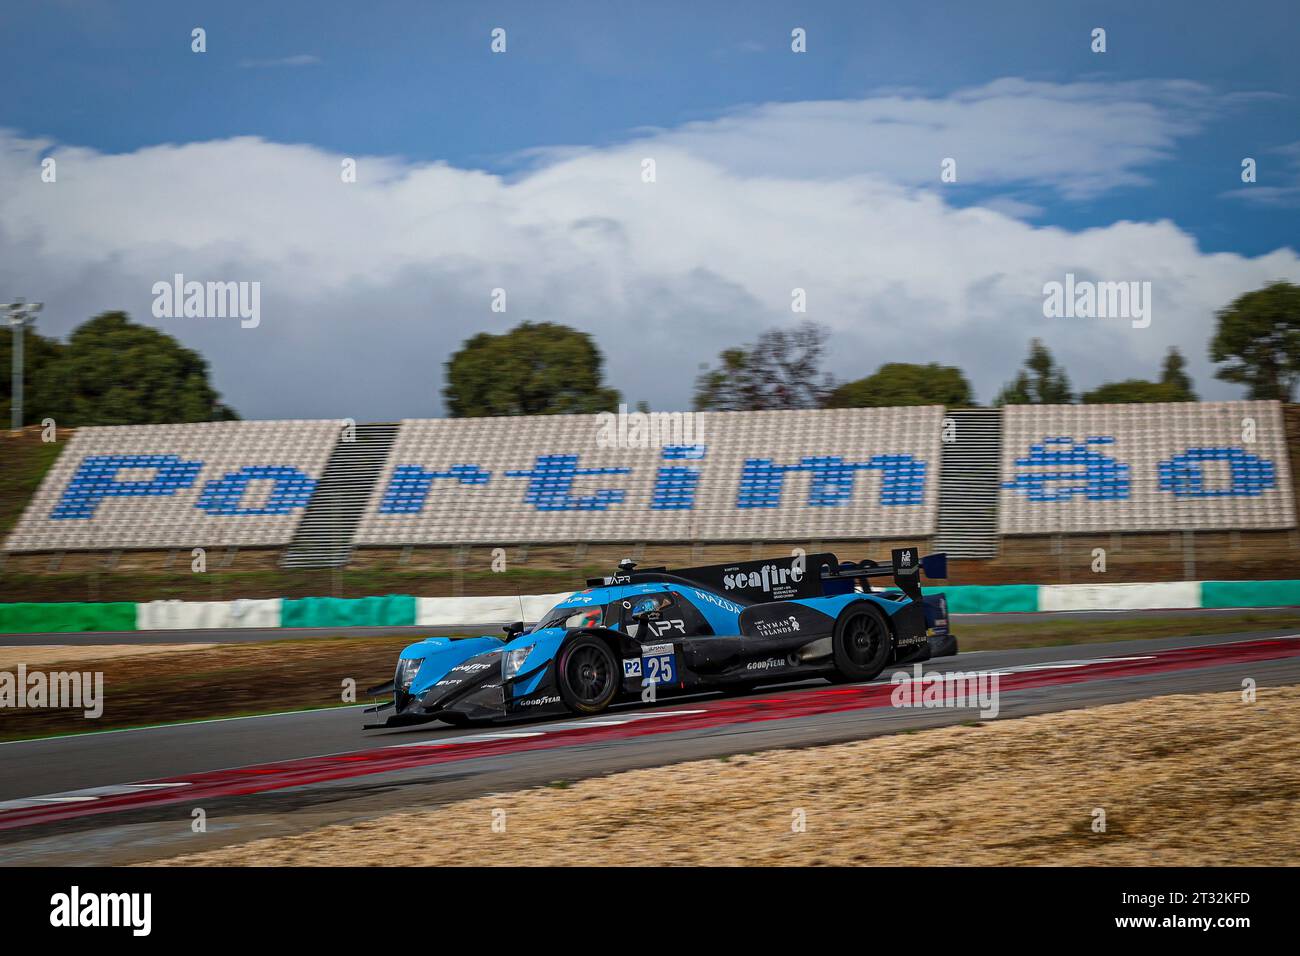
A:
(1174, 466)
(475, 611)
(818, 474)
(190, 615)
(1119, 597)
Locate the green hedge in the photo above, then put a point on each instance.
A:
(990, 599)
(1250, 593)
(394, 610)
(391, 610)
(32, 618)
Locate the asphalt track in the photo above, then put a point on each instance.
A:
(124, 796)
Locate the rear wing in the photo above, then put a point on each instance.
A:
(905, 567)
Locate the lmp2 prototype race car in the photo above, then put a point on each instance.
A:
(642, 634)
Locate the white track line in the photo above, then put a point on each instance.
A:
(28, 802)
(470, 739)
(594, 724)
(86, 795)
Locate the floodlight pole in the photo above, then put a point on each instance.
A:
(20, 314)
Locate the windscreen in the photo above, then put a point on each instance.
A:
(588, 615)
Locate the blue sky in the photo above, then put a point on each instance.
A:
(116, 76)
(415, 85)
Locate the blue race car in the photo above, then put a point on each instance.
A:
(655, 632)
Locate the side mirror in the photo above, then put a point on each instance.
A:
(513, 629)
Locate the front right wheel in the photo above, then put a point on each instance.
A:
(588, 675)
(862, 643)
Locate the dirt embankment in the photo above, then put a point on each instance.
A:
(143, 685)
(69, 656)
(1190, 780)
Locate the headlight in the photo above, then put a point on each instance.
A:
(407, 668)
(511, 661)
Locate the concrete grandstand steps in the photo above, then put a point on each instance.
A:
(969, 485)
(324, 535)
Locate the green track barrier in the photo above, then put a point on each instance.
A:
(1250, 593)
(396, 610)
(32, 618)
(988, 599)
(391, 610)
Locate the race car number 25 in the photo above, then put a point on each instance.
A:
(658, 664)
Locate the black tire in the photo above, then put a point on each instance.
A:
(587, 674)
(862, 643)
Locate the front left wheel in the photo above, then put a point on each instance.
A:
(588, 675)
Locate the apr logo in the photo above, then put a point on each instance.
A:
(660, 628)
(767, 578)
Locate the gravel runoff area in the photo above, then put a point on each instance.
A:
(44, 655)
(1189, 780)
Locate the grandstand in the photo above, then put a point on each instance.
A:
(1124, 468)
(207, 484)
(775, 476)
(1015, 491)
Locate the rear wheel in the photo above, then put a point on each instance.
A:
(862, 643)
(588, 675)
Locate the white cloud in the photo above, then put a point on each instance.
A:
(297, 59)
(1265, 192)
(368, 287)
(1016, 208)
(1080, 139)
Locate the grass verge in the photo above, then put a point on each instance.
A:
(24, 460)
(1037, 632)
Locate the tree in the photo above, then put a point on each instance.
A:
(115, 372)
(1173, 376)
(534, 369)
(1174, 386)
(40, 390)
(780, 370)
(1259, 334)
(1129, 390)
(901, 383)
(1040, 382)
